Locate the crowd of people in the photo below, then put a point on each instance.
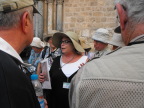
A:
(78, 78)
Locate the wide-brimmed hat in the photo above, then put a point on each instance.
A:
(37, 43)
(117, 40)
(57, 37)
(13, 5)
(51, 33)
(85, 44)
(101, 35)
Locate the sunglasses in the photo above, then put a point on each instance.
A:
(66, 41)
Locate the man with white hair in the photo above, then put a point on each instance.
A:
(101, 38)
(16, 33)
(115, 80)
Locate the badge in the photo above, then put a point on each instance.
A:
(66, 85)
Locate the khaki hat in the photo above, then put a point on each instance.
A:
(57, 37)
(101, 35)
(117, 40)
(13, 5)
(37, 43)
(85, 45)
(47, 37)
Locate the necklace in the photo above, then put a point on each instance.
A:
(67, 62)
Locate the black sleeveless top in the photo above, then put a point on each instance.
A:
(59, 95)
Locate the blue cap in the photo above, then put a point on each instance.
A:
(34, 77)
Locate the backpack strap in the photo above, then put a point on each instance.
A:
(44, 51)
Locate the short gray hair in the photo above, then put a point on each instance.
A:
(11, 19)
(134, 8)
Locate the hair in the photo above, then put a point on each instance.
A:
(134, 9)
(12, 19)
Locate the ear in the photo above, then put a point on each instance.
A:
(122, 16)
(25, 22)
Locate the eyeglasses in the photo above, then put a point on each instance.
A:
(66, 41)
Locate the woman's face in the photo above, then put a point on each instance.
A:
(37, 50)
(66, 45)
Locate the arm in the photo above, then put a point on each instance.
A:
(38, 69)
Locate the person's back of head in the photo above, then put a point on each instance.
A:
(131, 16)
(16, 19)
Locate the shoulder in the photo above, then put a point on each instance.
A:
(57, 59)
(5, 58)
(82, 59)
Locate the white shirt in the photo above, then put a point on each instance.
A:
(7, 48)
(70, 68)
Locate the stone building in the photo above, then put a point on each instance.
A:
(80, 16)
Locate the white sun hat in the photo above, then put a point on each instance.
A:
(37, 43)
(101, 35)
(117, 40)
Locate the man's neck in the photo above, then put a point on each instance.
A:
(13, 38)
(137, 31)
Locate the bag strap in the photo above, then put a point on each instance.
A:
(44, 51)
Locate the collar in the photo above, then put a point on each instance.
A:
(138, 38)
(7, 48)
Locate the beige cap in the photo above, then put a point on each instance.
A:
(57, 37)
(13, 5)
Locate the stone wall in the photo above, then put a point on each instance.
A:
(85, 16)
(80, 16)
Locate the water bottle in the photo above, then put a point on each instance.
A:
(38, 89)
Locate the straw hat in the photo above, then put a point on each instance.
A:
(101, 35)
(51, 33)
(37, 43)
(85, 45)
(117, 40)
(57, 37)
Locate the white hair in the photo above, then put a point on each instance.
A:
(11, 19)
(134, 9)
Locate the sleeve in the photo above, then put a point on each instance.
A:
(4, 99)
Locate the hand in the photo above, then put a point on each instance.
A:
(81, 65)
(41, 77)
(45, 102)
